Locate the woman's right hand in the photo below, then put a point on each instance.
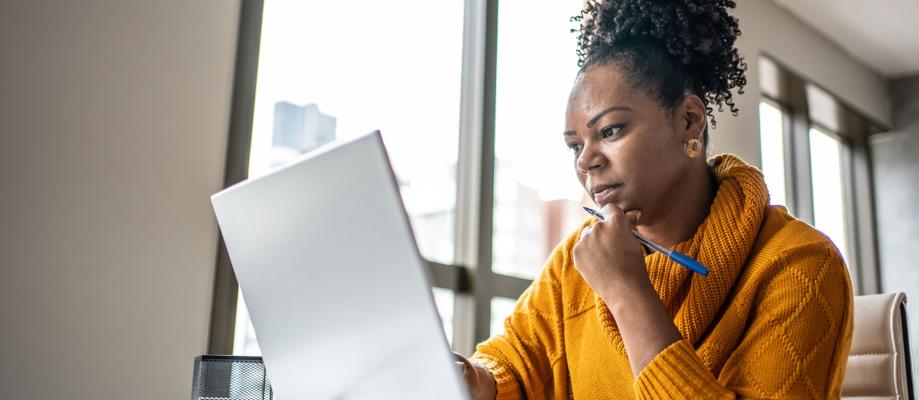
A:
(479, 380)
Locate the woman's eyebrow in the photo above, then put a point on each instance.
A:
(590, 124)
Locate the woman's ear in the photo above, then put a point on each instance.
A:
(691, 119)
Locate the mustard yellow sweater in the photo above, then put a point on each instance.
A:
(772, 320)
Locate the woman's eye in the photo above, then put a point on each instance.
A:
(610, 131)
(575, 147)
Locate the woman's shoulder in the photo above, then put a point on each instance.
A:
(786, 245)
(793, 265)
(782, 233)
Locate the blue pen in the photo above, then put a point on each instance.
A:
(680, 258)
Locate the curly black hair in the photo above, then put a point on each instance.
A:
(666, 46)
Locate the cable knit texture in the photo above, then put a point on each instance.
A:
(772, 320)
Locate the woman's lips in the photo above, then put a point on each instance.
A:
(604, 195)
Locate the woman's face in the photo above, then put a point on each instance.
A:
(628, 149)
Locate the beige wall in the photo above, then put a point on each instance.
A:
(113, 126)
(768, 28)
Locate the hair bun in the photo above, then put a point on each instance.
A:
(698, 34)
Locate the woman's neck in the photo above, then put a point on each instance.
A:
(682, 218)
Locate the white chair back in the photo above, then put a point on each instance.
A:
(879, 364)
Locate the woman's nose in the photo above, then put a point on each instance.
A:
(590, 158)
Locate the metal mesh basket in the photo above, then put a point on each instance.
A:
(230, 378)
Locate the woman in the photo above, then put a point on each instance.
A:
(608, 319)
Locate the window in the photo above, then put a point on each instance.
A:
(244, 341)
(827, 167)
(772, 145)
(313, 88)
(828, 193)
(462, 121)
(536, 191)
(501, 308)
(444, 300)
(312, 91)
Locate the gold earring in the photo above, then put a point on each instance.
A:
(693, 148)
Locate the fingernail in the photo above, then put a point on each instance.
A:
(606, 211)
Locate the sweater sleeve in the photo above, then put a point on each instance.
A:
(527, 359)
(796, 344)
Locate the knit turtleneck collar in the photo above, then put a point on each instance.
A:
(721, 243)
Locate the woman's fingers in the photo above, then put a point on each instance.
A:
(480, 382)
(585, 231)
(615, 215)
(608, 210)
(611, 211)
(462, 363)
(462, 368)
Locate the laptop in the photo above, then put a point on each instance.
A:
(336, 289)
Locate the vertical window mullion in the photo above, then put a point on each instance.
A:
(800, 149)
(790, 173)
(850, 212)
(860, 195)
(863, 203)
(469, 169)
(483, 274)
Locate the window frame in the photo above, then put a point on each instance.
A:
(236, 169)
